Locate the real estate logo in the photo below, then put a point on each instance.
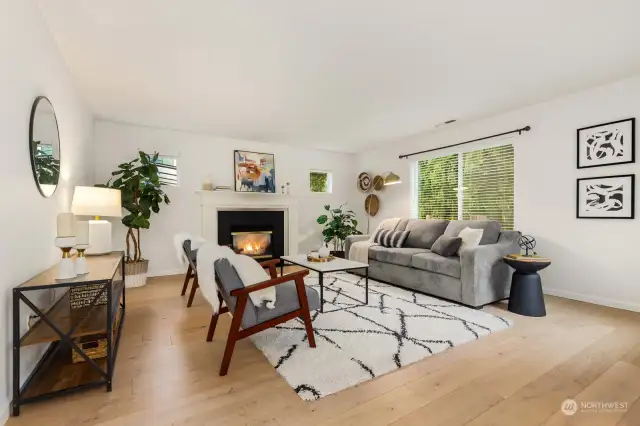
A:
(569, 407)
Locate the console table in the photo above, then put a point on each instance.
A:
(61, 327)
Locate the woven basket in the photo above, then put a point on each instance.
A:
(94, 346)
(82, 296)
(136, 273)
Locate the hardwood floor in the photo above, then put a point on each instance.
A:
(166, 374)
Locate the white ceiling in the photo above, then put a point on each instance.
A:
(338, 74)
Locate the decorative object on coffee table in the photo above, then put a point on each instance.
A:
(338, 224)
(324, 267)
(142, 195)
(526, 297)
(607, 144)
(606, 197)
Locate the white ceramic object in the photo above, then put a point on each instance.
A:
(324, 251)
(66, 268)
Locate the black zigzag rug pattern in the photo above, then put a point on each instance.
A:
(357, 342)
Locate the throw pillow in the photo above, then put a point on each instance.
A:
(388, 238)
(446, 246)
(470, 238)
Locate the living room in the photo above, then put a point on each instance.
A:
(488, 273)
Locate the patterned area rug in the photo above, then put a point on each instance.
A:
(357, 342)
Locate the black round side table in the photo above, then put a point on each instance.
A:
(526, 296)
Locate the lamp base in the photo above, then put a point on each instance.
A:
(99, 237)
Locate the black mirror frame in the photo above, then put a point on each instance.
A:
(34, 107)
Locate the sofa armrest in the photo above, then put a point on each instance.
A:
(485, 277)
(352, 239)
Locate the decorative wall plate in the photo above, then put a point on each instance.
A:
(364, 182)
(371, 204)
(378, 183)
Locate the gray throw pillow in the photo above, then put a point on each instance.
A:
(446, 246)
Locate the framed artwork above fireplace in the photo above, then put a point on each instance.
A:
(254, 172)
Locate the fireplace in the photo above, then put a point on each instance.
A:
(259, 233)
(256, 244)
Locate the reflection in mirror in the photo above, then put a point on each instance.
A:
(44, 146)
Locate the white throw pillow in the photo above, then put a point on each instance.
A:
(470, 238)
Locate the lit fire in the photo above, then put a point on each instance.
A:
(252, 244)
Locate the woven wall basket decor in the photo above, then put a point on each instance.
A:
(371, 204)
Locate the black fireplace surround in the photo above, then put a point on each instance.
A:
(252, 221)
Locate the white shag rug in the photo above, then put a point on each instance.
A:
(357, 342)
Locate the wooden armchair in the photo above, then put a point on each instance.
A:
(191, 256)
(293, 300)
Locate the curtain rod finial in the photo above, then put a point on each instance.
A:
(527, 128)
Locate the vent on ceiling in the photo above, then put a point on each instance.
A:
(444, 123)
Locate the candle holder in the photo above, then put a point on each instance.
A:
(81, 261)
(66, 268)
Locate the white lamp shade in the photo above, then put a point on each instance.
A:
(94, 201)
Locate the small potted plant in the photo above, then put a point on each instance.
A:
(142, 195)
(338, 225)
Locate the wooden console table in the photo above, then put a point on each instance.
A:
(60, 326)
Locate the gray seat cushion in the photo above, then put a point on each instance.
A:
(489, 236)
(432, 262)
(424, 232)
(193, 254)
(286, 296)
(397, 256)
(287, 301)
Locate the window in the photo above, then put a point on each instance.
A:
(167, 170)
(320, 181)
(468, 185)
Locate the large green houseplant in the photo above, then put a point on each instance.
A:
(142, 195)
(338, 225)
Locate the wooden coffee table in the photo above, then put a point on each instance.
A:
(335, 265)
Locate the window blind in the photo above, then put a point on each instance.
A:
(487, 184)
(437, 187)
(466, 185)
(167, 170)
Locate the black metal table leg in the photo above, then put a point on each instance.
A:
(15, 404)
(321, 291)
(281, 267)
(366, 286)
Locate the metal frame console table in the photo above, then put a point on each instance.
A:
(60, 326)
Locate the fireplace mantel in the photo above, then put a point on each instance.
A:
(213, 201)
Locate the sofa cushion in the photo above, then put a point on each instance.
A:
(446, 246)
(432, 262)
(397, 256)
(424, 232)
(388, 238)
(491, 229)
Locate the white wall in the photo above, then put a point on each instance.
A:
(203, 156)
(30, 65)
(594, 260)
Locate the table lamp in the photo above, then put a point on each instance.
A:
(96, 202)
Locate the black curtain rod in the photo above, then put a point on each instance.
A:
(518, 131)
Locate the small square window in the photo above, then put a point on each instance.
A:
(167, 170)
(320, 181)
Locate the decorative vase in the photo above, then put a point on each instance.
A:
(324, 251)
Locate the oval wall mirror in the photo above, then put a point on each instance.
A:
(44, 146)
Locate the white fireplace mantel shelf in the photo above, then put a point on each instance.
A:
(213, 201)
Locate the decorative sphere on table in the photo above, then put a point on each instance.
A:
(527, 242)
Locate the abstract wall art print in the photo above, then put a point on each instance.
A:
(606, 197)
(254, 172)
(607, 144)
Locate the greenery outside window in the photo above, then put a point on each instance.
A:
(466, 185)
(320, 181)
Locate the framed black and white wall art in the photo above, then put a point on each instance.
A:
(607, 144)
(606, 197)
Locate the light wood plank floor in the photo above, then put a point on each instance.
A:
(166, 374)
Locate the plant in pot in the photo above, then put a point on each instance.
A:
(338, 224)
(142, 195)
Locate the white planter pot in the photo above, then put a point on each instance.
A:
(136, 274)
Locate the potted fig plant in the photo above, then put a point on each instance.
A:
(142, 195)
(338, 224)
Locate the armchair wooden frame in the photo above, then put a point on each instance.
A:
(235, 333)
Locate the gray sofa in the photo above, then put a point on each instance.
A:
(478, 277)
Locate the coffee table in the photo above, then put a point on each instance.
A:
(335, 265)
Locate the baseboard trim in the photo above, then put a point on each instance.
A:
(4, 416)
(635, 307)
